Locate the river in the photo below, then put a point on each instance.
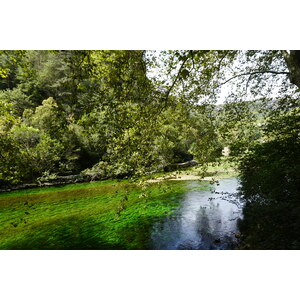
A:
(206, 219)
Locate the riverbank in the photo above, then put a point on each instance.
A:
(212, 172)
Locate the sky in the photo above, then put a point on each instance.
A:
(230, 87)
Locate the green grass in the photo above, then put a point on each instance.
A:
(108, 214)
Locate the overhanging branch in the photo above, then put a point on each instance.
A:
(177, 77)
(253, 73)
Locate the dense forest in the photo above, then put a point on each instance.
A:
(74, 116)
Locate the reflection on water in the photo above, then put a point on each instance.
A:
(205, 219)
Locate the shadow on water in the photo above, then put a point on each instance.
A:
(205, 220)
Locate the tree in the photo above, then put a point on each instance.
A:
(200, 75)
(270, 183)
(105, 107)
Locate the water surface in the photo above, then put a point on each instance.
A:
(206, 219)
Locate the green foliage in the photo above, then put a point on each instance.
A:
(27, 153)
(46, 117)
(270, 183)
(9, 63)
(17, 99)
(97, 111)
(240, 125)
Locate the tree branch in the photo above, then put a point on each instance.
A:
(253, 73)
(220, 61)
(249, 78)
(177, 77)
(192, 53)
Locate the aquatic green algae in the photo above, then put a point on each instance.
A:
(108, 214)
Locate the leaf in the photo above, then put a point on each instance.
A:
(184, 73)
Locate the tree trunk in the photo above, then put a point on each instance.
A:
(292, 60)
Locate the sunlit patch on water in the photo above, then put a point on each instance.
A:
(206, 219)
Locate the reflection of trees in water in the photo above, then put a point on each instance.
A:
(208, 222)
(166, 232)
(209, 226)
(202, 222)
(204, 232)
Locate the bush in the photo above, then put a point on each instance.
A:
(270, 181)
